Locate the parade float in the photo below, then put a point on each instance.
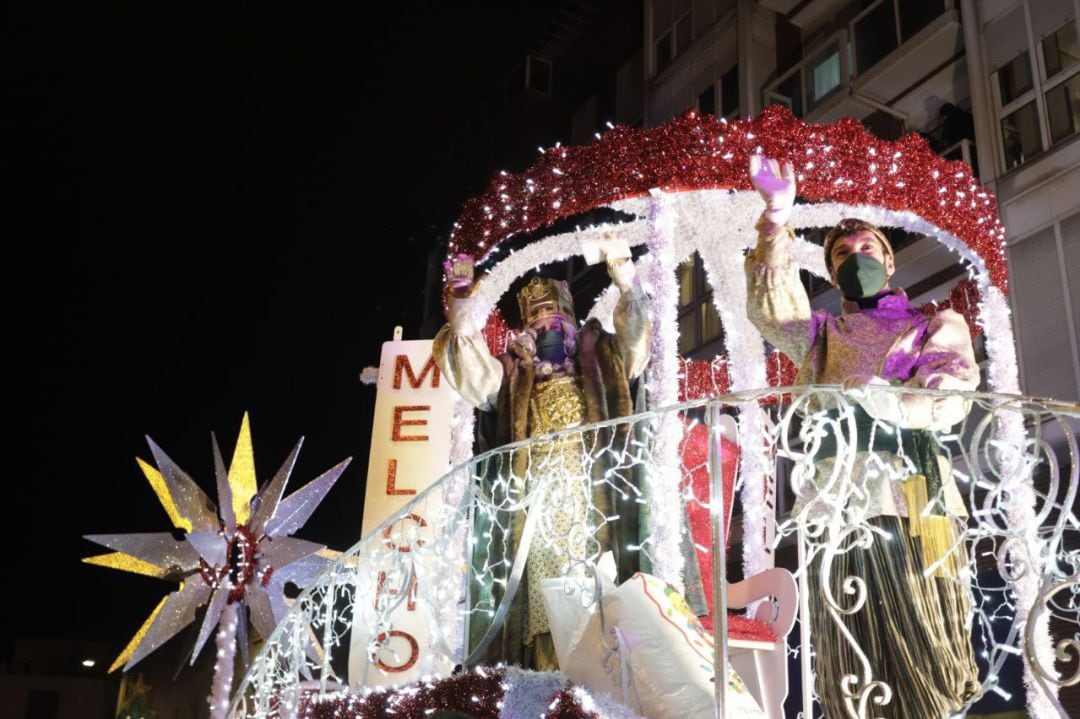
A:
(390, 626)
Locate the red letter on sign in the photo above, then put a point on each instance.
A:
(391, 481)
(401, 362)
(399, 423)
(389, 531)
(414, 651)
(410, 602)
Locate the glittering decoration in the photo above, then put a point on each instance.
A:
(127, 563)
(964, 299)
(781, 370)
(400, 421)
(485, 693)
(841, 162)
(245, 556)
(496, 332)
(699, 379)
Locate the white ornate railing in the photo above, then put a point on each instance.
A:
(1014, 460)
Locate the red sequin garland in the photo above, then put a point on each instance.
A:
(473, 694)
(840, 162)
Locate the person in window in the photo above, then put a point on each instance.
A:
(913, 625)
(957, 124)
(554, 376)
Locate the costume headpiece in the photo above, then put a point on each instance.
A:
(544, 297)
(851, 226)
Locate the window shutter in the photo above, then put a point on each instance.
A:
(1070, 238)
(1040, 319)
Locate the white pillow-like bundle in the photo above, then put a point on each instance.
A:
(655, 656)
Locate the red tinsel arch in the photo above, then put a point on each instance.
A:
(841, 162)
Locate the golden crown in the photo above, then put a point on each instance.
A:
(544, 297)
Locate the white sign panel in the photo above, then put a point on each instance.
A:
(410, 450)
(410, 437)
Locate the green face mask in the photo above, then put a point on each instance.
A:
(860, 276)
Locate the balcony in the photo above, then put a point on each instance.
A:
(885, 50)
(1014, 461)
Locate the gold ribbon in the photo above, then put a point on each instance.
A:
(936, 533)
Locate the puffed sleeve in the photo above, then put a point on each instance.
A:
(632, 329)
(776, 301)
(463, 357)
(946, 361)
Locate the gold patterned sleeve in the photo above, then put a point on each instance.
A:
(946, 362)
(632, 328)
(463, 357)
(776, 301)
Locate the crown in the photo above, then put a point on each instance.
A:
(544, 297)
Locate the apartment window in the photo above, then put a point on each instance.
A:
(1020, 135)
(1061, 50)
(728, 106)
(729, 93)
(1063, 109)
(788, 92)
(706, 103)
(824, 74)
(538, 74)
(674, 40)
(1015, 78)
(818, 76)
(684, 31)
(886, 24)
(1036, 89)
(699, 323)
(874, 35)
(665, 51)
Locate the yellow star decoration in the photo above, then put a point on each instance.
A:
(125, 656)
(157, 483)
(229, 553)
(242, 474)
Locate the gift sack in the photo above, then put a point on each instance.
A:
(652, 654)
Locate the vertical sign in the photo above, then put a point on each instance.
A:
(410, 450)
(410, 437)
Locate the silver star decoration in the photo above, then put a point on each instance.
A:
(240, 551)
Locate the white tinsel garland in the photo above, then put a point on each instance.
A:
(1004, 376)
(665, 503)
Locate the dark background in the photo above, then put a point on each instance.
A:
(214, 211)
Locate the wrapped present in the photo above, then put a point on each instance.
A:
(642, 645)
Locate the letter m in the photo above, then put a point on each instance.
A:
(401, 363)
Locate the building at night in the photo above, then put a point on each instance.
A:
(995, 84)
(58, 679)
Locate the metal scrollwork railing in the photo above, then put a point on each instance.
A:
(454, 556)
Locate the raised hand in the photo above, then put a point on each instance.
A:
(459, 275)
(775, 185)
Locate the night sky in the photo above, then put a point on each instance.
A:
(214, 212)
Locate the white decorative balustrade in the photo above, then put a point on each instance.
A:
(451, 556)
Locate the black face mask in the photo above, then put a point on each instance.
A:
(551, 346)
(860, 276)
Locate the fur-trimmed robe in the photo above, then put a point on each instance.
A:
(608, 394)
